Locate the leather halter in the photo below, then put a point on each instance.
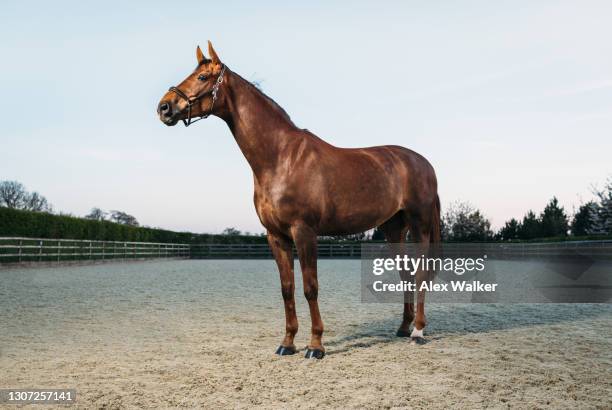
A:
(191, 101)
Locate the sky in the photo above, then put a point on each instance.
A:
(511, 101)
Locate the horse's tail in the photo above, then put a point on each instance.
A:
(435, 236)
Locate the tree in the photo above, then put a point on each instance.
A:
(510, 230)
(553, 220)
(36, 202)
(530, 227)
(582, 223)
(14, 195)
(601, 213)
(96, 214)
(462, 222)
(605, 205)
(231, 232)
(123, 218)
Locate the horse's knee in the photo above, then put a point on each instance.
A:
(311, 290)
(287, 290)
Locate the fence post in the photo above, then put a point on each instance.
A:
(40, 250)
(90, 250)
(103, 246)
(59, 250)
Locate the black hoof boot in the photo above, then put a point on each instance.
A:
(402, 333)
(285, 351)
(314, 354)
(418, 340)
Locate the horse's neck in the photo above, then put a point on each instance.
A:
(261, 128)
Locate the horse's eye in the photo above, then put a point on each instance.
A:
(202, 77)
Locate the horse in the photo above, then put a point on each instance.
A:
(305, 187)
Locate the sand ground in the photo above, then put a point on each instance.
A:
(123, 346)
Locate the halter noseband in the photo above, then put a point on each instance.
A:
(191, 101)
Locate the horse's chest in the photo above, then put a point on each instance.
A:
(275, 205)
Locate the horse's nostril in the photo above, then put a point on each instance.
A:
(165, 110)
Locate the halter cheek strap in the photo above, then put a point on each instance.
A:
(191, 101)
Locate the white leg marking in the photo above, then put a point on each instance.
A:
(416, 333)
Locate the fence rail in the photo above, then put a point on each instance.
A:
(263, 251)
(20, 250)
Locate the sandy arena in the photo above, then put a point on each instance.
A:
(203, 334)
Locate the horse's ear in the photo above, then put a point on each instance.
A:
(200, 55)
(213, 54)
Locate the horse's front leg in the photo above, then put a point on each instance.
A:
(282, 249)
(306, 243)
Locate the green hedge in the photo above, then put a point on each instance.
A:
(15, 222)
(30, 224)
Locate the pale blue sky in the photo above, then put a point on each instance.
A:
(510, 101)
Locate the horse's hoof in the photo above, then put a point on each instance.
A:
(418, 340)
(285, 350)
(314, 354)
(402, 333)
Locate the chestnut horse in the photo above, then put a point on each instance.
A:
(305, 187)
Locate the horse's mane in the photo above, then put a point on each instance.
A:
(270, 101)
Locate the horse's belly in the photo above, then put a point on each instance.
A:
(331, 206)
(355, 220)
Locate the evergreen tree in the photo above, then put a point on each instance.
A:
(531, 227)
(510, 230)
(553, 220)
(581, 223)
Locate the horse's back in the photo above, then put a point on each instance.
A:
(418, 177)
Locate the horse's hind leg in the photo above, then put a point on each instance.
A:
(421, 233)
(282, 250)
(395, 230)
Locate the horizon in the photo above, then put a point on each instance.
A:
(512, 107)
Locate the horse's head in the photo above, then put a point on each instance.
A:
(196, 96)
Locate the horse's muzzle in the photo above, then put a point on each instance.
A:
(166, 113)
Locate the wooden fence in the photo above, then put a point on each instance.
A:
(351, 250)
(23, 250)
(20, 250)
